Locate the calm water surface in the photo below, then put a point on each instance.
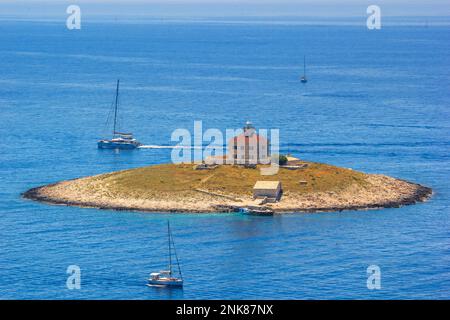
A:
(376, 101)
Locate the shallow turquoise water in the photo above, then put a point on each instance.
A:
(376, 101)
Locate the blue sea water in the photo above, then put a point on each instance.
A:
(377, 101)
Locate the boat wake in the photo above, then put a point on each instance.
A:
(166, 147)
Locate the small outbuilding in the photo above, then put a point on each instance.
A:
(267, 189)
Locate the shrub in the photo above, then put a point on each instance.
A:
(282, 159)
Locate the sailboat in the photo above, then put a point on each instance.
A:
(120, 140)
(303, 78)
(167, 278)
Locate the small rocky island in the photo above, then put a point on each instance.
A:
(305, 187)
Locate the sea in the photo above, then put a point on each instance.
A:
(376, 101)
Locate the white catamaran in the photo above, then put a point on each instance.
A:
(167, 278)
(120, 140)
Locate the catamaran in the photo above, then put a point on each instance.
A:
(167, 278)
(303, 78)
(120, 140)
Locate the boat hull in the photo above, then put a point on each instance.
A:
(104, 144)
(256, 212)
(165, 283)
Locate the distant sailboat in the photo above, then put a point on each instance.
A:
(120, 140)
(166, 278)
(303, 78)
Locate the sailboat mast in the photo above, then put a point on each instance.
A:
(176, 257)
(115, 108)
(170, 251)
(304, 66)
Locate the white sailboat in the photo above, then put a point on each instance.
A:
(167, 278)
(303, 78)
(120, 140)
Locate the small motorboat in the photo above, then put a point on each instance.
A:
(256, 211)
(167, 278)
(119, 140)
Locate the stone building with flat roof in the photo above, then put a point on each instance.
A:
(267, 189)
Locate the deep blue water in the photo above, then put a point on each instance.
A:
(377, 101)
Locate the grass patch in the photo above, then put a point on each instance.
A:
(165, 179)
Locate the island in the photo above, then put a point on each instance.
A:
(190, 188)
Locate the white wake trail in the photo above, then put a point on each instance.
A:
(167, 147)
